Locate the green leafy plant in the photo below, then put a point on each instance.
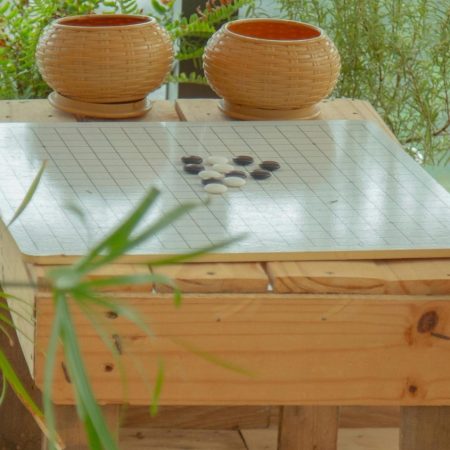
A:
(396, 55)
(72, 288)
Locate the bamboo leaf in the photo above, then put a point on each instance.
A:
(157, 389)
(29, 195)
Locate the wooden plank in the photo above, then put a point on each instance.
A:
(198, 417)
(70, 427)
(42, 111)
(215, 277)
(308, 428)
(424, 428)
(295, 350)
(352, 109)
(113, 270)
(348, 439)
(166, 439)
(15, 276)
(369, 417)
(418, 277)
(357, 417)
(32, 111)
(204, 110)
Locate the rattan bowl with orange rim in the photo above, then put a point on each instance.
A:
(271, 68)
(104, 65)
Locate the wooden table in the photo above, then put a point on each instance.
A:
(327, 333)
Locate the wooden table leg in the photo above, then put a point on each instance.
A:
(425, 428)
(71, 430)
(308, 428)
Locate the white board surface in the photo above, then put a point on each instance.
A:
(344, 190)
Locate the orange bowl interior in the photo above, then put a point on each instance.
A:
(274, 30)
(103, 20)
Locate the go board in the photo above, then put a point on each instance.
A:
(345, 190)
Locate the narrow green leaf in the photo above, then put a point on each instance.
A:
(19, 389)
(212, 358)
(175, 259)
(29, 195)
(157, 389)
(117, 241)
(4, 389)
(77, 371)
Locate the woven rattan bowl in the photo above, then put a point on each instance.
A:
(104, 65)
(271, 68)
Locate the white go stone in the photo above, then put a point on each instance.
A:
(216, 160)
(215, 188)
(205, 174)
(234, 181)
(223, 168)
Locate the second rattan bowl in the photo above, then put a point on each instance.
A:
(271, 68)
(104, 65)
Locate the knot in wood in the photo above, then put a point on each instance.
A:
(428, 322)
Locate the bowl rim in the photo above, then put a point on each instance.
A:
(274, 41)
(143, 20)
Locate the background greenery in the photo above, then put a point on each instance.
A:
(396, 55)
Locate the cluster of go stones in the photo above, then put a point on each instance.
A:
(217, 174)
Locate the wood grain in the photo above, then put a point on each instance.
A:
(308, 428)
(198, 417)
(425, 428)
(295, 349)
(70, 428)
(166, 439)
(42, 111)
(215, 277)
(207, 110)
(418, 277)
(349, 439)
(110, 271)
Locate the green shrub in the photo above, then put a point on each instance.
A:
(396, 55)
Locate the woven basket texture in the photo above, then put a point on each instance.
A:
(105, 64)
(272, 64)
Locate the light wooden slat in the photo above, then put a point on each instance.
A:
(166, 439)
(418, 277)
(297, 350)
(357, 417)
(198, 417)
(14, 273)
(369, 417)
(352, 109)
(42, 111)
(113, 270)
(215, 277)
(70, 428)
(308, 428)
(246, 417)
(348, 439)
(204, 110)
(32, 111)
(424, 428)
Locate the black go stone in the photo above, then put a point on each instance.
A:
(193, 169)
(270, 165)
(211, 181)
(259, 174)
(192, 159)
(243, 160)
(236, 173)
